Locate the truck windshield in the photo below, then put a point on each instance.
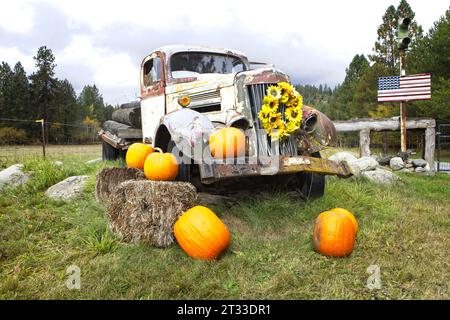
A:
(191, 64)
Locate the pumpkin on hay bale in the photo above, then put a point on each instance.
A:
(160, 166)
(136, 155)
(147, 210)
(335, 232)
(109, 179)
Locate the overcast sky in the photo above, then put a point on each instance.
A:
(103, 42)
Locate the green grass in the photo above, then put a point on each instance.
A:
(404, 229)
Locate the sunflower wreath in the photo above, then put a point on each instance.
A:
(280, 125)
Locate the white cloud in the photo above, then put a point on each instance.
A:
(16, 16)
(12, 55)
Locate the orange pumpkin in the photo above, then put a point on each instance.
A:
(161, 166)
(201, 234)
(227, 143)
(348, 214)
(334, 234)
(136, 155)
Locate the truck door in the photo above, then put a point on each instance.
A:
(152, 94)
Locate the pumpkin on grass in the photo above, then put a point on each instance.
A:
(348, 214)
(136, 155)
(161, 166)
(334, 234)
(201, 234)
(227, 143)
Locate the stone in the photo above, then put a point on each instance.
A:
(363, 164)
(419, 163)
(67, 189)
(420, 170)
(144, 210)
(94, 161)
(384, 161)
(381, 176)
(58, 163)
(109, 179)
(342, 156)
(409, 165)
(405, 170)
(13, 176)
(396, 163)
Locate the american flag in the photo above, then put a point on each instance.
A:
(405, 88)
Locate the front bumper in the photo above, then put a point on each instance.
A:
(220, 170)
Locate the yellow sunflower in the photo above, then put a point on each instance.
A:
(293, 114)
(272, 103)
(274, 92)
(285, 87)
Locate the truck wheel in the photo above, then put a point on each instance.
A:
(311, 185)
(184, 169)
(109, 153)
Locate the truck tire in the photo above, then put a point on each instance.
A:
(311, 185)
(184, 169)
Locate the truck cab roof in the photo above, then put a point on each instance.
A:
(172, 49)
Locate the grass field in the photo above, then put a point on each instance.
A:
(404, 229)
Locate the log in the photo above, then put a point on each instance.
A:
(128, 116)
(113, 126)
(382, 124)
(430, 138)
(110, 178)
(147, 210)
(133, 104)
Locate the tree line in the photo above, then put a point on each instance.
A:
(23, 99)
(356, 96)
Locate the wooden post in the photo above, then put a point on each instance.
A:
(364, 143)
(402, 106)
(43, 136)
(430, 138)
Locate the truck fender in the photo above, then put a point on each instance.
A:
(319, 127)
(188, 129)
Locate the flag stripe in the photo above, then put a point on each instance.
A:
(411, 87)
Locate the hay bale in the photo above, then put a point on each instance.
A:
(147, 210)
(109, 179)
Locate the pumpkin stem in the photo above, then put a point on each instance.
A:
(158, 149)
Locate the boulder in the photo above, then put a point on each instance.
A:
(384, 161)
(13, 176)
(57, 163)
(67, 189)
(144, 210)
(110, 178)
(381, 176)
(342, 156)
(94, 161)
(396, 163)
(363, 164)
(419, 163)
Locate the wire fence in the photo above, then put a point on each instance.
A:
(22, 139)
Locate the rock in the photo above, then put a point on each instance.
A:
(363, 164)
(147, 210)
(381, 176)
(13, 176)
(420, 169)
(409, 165)
(405, 170)
(384, 161)
(67, 189)
(405, 155)
(396, 163)
(58, 163)
(94, 161)
(109, 179)
(342, 156)
(419, 163)
(427, 167)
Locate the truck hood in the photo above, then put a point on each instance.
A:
(204, 82)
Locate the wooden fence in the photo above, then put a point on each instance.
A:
(365, 126)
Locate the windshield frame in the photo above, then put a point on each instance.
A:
(243, 60)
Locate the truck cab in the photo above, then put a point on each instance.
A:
(188, 92)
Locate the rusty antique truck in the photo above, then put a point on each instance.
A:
(188, 92)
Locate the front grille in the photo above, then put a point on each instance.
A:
(288, 147)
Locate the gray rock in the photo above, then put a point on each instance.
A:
(67, 189)
(13, 176)
(409, 165)
(420, 169)
(384, 161)
(364, 164)
(419, 163)
(381, 176)
(58, 163)
(94, 161)
(407, 170)
(396, 163)
(342, 156)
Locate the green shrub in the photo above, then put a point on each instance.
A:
(9, 136)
